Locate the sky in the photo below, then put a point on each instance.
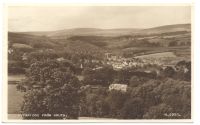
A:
(50, 18)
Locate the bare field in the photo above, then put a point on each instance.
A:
(16, 77)
(15, 99)
(158, 55)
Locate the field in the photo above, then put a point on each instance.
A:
(15, 77)
(158, 55)
(15, 99)
(179, 52)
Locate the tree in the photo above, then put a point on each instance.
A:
(42, 55)
(184, 70)
(51, 89)
(135, 81)
(161, 111)
(93, 103)
(178, 98)
(188, 73)
(16, 67)
(132, 109)
(124, 75)
(88, 74)
(169, 72)
(146, 92)
(173, 43)
(116, 101)
(103, 76)
(177, 95)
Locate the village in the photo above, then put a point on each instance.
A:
(119, 62)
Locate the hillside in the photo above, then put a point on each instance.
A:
(84, 32)
(83, 49)
(110, 32)
(71, 41)
(37, 42)
(167, 28)
(32, 43)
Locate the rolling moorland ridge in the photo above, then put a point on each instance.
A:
(110, 73)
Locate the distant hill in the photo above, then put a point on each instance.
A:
(166, 28)
(91, 40)
(74, 46)
(31, 40)
(110, 32)
(84, 32)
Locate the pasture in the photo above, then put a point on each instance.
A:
(15, 99)
(15, 77)
(158, 55)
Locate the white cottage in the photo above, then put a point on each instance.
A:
(119, 87)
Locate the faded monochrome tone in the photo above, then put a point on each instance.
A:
(99, 62)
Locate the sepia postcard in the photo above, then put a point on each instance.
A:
(98, 63)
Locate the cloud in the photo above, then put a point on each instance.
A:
(44, 18)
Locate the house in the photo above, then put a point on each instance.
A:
(119, 87)
(100, 67)
(10, 51)
(108, 55)
(169, 65)
(81, 66)
(113, 57)
(25, 56)
(60, 59)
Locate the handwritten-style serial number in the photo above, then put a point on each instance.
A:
(172, 114)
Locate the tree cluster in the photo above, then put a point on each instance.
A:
(153, 99)
(51, 88)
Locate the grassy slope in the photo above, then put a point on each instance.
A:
(15, 99)
(99, 44)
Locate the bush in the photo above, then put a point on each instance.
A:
(135, 81)
(132, 109)
(93, 103)
(103, 76)
(169, 72)
(159, 112)
(16, 67)
(116, 101)
(52, 89)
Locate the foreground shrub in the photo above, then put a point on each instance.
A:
(52, 92)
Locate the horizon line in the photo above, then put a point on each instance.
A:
(96, 28)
